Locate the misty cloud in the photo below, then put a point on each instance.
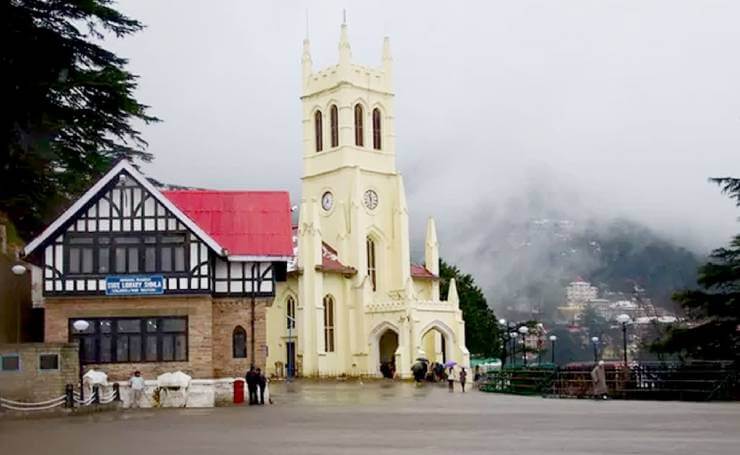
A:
(505, 111)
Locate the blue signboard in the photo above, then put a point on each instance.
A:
(134, 285)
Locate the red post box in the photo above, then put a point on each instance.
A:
(238, 391)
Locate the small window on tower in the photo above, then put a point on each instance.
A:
(334, 120)
(318, 131)
(376, 129)
(359, 132)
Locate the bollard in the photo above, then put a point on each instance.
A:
(69, 392)
(96, 394)
(116, 392)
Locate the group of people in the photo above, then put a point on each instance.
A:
(256, 381)
(435, 372)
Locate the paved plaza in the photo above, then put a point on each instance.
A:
(388, 418)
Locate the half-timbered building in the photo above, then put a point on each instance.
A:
(164, 280)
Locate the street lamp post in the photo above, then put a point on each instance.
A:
(624, 319)
(513, 335)
(504, 340)
(524, 330)
(595, 341)
(81, 325)
(553, 339)
(540, 332)
(18, 270)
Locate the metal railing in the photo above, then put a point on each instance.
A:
(70, 399)
(693, 381)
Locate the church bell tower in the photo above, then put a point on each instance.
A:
(349, 164)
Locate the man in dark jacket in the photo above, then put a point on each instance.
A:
(261, 382)
(252, 381)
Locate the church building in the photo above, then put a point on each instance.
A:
(353, 301)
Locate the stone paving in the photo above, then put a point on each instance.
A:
(389, 418)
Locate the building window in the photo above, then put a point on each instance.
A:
(334, 120)
(10, 362)
(376, 129)
(290, 313)
(329, 323)
(359, 134)
(371, 270)
(126, 254)
(318, 131)
(48, 361)
(239, 343)
(127, 340)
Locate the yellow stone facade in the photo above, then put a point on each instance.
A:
(353, 206)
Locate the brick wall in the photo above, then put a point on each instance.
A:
(227, 315)
(198, 309)
(31, 384)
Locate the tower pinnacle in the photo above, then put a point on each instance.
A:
(345, 52)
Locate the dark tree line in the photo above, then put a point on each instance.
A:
(68, 104)
(712, 326)
(481, 327)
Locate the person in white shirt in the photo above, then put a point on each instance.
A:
(451, 377)
(137, 389)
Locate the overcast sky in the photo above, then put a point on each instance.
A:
(621, 108)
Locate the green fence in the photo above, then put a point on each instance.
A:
(694, 381)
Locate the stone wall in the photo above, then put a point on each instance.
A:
(198, 309)
(30, 383)
(227, 315)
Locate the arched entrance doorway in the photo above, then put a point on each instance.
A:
(434, 343)
(387, 347)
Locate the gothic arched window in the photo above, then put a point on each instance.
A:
(290, 313)
(329, 323)
(359, 133)
(371, 270)
(239, 342)
(376, 129)
(318, 131)
(334, 120)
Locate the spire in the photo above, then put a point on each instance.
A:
(345, 52)
(431, 248)
(387, 51)
(306, 59)
(387, 62)
(452, 296)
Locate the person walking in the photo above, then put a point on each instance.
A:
(598, 377)
(463, 378)
(137, 389)
(251, 380)
(451, 379)
(261, 383)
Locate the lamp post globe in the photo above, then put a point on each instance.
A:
(502, 321)
(19, 269)
(80, 325)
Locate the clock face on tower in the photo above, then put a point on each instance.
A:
(370, 199)
(327, 200)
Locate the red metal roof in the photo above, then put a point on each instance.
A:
(419, 271)
(330, 261)
(246, 223)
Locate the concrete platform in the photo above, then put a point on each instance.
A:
(388, 418)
